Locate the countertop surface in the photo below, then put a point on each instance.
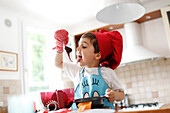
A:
(165, 106)
(164, 109)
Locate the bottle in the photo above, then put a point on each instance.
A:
(126, 100)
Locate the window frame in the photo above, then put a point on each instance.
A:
(25, 72)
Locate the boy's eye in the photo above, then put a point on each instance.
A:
(83, 46)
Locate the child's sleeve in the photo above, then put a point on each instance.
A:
(114, 82)
(71, 69)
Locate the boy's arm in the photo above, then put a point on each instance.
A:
(59, 60)
(61, 37)
(113, 95)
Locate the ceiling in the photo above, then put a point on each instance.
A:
(71, 12)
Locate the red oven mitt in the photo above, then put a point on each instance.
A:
(61, 37)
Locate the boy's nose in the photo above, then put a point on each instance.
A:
(78, 49)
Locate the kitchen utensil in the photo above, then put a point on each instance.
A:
(97, 102)
(57, 100)
(53, 100)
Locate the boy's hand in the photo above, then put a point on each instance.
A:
(110, 94)
(61, 37)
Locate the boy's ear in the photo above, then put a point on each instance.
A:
(98, 56)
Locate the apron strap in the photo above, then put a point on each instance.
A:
(99, 71)
(82, 73)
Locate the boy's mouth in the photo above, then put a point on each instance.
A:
(79, 57)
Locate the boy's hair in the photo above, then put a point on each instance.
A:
(93, 40)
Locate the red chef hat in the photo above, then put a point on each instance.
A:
(111, 47)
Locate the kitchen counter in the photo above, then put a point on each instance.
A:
(164, 109)
(112, 111)
(3, 110)
(150, 111)
(165, 106)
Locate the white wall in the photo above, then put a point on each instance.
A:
(9, 40)
(154, 36)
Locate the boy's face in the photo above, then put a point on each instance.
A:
(85, 54)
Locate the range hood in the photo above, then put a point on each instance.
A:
(135, 52)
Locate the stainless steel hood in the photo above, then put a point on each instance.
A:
(135, 51)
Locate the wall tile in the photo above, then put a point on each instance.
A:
(155, 94)
(167, 61)
(142, 95)
(155, 63)
(8, 83)
(143, 65)
(163, 68)
(153, 82)
(164, 74)
(126, 68)
(161, 62)
(131, 67)
(141, 89)
(134, 78)
(8, 88)
(150, 70)
(147, 89)
(132, 72)
(161, 94)
(1, 82)
(13, 90)
(136, 91)
(1, 98)
(5, 90)
(129, 91)
(168, 67)
(156, 69)
(145, 77)
(145, 71)
(139, 77)
(140, 83)
(162, 99)
(127, 74)
(149, 64)
(138, 71)
(149, 80)
(167, 93)
(5, 100)
(1, 90)
(134, 84)
(168, 73)
(149, 100)
(129, 85)
(137, 66)
(148, 95)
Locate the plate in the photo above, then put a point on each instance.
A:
(95, 111)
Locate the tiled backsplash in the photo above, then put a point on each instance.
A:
(147, 81)
(8, 88)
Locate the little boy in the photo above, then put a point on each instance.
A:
(98, 54)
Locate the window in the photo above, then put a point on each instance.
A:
(36, 60)
(39, 69)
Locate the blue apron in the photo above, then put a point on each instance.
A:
(91, 85)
